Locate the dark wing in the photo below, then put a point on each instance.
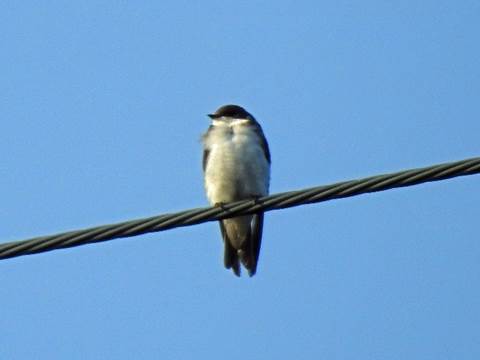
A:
(257, 222)
(206, 153)
(266, 149)
(254, 244)
(263, 141)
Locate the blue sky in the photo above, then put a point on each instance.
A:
(102, 105)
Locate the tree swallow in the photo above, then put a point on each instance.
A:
(236, 166)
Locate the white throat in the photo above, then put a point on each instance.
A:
(232, 122)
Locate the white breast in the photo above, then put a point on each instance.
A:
(237, 167)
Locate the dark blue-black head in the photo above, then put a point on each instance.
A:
(231, 111)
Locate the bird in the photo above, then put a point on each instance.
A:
(236, 166)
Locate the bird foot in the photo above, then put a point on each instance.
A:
(221, 205)
(256, 199)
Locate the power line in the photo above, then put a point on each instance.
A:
(267, 203)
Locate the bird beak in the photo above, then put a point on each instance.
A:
(211, 116)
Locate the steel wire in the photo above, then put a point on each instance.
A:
(273, 202)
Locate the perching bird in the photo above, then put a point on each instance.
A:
(236, 166)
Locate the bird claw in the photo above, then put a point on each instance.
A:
(256, 199)
(221, 205)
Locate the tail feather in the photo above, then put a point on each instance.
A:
(249, 250)
(230, 258)
(256, 242)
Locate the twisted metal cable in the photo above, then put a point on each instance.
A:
(267, 203)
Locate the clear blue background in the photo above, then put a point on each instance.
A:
(102, 105)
